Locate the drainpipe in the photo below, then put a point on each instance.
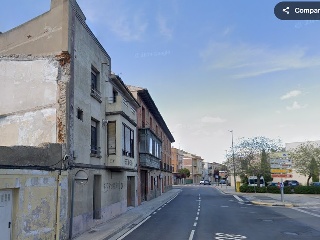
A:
(58, 206)
(71, 208)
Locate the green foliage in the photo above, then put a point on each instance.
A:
(184, 173)
(265, 167)
(307, 190)
(251, 157)
(287, 190)
(306, 160)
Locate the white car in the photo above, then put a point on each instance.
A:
(201, 181)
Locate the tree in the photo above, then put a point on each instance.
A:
(306, 160)
(184, 173)
(251, 157)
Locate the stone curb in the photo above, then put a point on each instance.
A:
(273, 204)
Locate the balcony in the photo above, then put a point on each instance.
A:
(96, 94)
(121, 163)
(149, 161)
(95, 152)
(121, 106)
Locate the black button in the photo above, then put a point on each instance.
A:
(297, 10)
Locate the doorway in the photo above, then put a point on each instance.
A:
(6, 214)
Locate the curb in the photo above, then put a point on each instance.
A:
(289, 205)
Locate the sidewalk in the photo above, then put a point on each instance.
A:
(270, 199)
(132, 217)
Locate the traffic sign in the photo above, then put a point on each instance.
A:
(281, 170)
(277, 175)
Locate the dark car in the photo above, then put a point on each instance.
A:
(273, 184)
(291, 183)
(206, 182)
(315, 184)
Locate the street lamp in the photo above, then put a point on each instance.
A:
(234, 167)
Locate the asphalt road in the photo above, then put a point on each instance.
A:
(203, 212)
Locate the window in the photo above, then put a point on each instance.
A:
(111, 138)
(115, 94)
(128, 141)
(95, 93)
(94, 137)
(152, 182)
(80, 114)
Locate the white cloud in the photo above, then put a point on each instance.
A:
(129, 24)
(243, 60)
(208, 119)
(295, 106)
(291, 94)
(163, 27)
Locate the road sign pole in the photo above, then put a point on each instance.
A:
(281, 190)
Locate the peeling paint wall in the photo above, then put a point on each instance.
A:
(33, 100)
(35, 203)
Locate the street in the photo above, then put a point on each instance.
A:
(203, 212)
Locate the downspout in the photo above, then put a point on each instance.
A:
(58, 206)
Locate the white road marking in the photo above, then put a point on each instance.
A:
(312, 214)
(155, 213)
(131, 230)
(224, 206)
(191, 235)
(197, 213)
(222, 236)
(239, 199)
(159, 209)
(197, 218)
(195, 224)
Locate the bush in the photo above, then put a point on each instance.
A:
(286, 190)
(307, 190)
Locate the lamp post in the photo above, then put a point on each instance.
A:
(234, 167)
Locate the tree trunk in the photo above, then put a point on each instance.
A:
(308, 179)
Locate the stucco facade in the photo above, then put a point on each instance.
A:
(57, 89)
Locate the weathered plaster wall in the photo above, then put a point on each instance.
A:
(88, 53)
(45, 34)
(33, 100)
(113, 199)
(35, 203)
(44, 155)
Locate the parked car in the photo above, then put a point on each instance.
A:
(222, 181)
(207, 182)
(291, 183)
(274, 184)
(315, 184)
(201, 181)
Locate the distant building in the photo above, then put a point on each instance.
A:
(176, 163)
(194, 164)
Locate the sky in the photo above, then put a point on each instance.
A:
(211, 66)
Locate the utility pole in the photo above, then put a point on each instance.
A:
(234, 166)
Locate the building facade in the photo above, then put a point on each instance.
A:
(177, 164)
(154, 168)
(194, 164)
(58, 88)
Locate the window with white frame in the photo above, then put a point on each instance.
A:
(128, 141)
